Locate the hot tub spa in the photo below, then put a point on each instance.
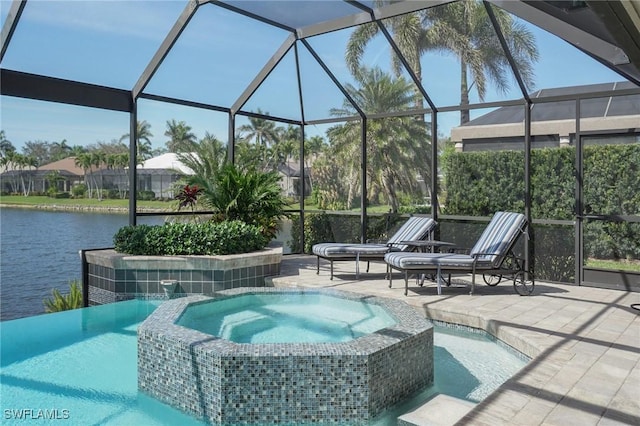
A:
(277, 355)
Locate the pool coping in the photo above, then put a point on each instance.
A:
(407, 322)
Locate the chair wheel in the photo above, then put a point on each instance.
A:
(492, 280)
(522, 286)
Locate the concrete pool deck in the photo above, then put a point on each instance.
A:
(584, 342)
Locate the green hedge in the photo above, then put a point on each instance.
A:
(206, 238)
(481, 183)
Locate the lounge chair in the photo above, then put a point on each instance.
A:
(492, 255)
(414, 229)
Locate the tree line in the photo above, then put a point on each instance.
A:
(261, 144)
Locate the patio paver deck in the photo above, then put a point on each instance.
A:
(584, 342)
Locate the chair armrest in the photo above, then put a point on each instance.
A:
(476, 255)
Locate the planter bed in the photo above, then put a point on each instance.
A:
(111, 276)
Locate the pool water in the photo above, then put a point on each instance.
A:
(81, 367)
(286, 318)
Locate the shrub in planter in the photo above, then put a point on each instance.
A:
(244, 194)
(205, 238)
(132, 239)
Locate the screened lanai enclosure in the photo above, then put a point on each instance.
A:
(371, 111)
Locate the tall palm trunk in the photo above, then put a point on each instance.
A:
(353, 178)
(87, 181)
(464, 93)
(22, 183)
(390, 185)
(307, 169)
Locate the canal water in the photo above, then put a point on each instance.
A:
(39, 251)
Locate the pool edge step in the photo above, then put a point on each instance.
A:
(441, 410)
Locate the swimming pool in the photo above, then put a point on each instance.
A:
(265, 316)
(81, 365)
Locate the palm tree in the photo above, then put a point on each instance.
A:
(464, 29)
(77, 150)
(53, 179)
(251, 155)
(143, 142)
(246, 194)
(205, 159)
(59, 150)
(312, 149)
(119, 163)
(288, 143)
(260, 130)
(10, 160)
(28, 162)
(84, 161)
(5, 145)
(394, 145)
(180, 136)
(264, 152)
(287, 148)
(97, 159)
(409, 32)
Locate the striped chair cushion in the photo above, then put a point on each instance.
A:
(348, 250)
(498, 237)
(426, 261)
(414, 229)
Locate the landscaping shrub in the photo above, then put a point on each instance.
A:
(64, 302)
(481, 183)
(249, 195)
(79, 190)
(206, 238)
(146, 195)
(317, 228)
(59, 195)
(132, 239)
(112, 194)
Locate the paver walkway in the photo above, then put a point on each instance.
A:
(584, 342)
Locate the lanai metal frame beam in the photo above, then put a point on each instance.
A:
(42, 88)
(17, 6)
(367, 15)
(594, 46)
(264, 73)
(169, 40)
